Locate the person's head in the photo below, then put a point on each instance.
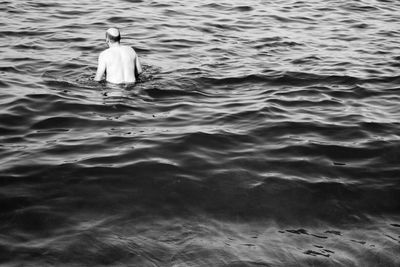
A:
(113, 35)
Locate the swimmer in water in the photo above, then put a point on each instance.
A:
(119, 63)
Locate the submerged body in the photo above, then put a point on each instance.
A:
(119, 63)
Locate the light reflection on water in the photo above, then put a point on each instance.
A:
(260, 134)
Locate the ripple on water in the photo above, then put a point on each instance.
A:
(259, 134)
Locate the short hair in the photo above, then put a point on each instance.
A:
(113, 35)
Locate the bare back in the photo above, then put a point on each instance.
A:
(119, 63)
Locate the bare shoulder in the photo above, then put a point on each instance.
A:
(130, 49)
(104, 53)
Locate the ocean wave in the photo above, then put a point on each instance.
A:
(297, 78)
(259, 134)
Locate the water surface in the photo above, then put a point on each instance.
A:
(262, 133)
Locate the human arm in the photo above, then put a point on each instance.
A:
(138, 67)
(101, 68)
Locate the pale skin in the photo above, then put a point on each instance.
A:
(119, 63)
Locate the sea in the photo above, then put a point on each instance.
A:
(260, 133)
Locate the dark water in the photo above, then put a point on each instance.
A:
(262, 133)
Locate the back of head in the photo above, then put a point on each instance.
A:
(113, 35)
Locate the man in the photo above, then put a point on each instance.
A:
(120, 63)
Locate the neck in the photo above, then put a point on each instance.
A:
(113, 44)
